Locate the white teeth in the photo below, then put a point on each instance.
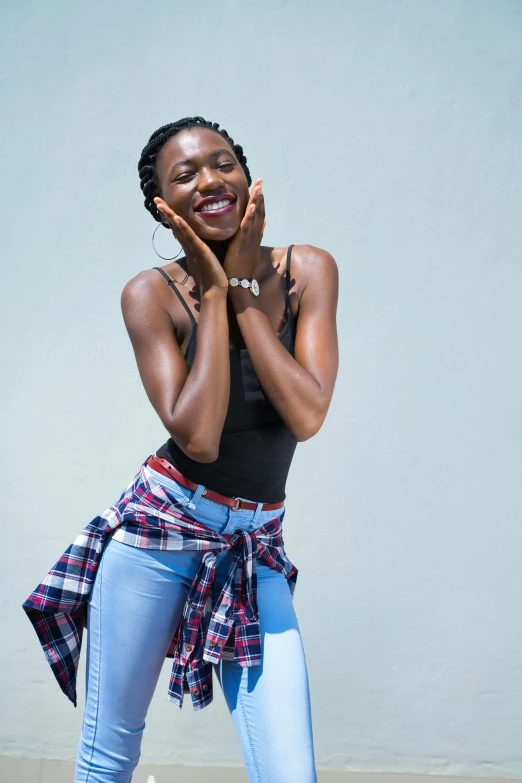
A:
(215, 205)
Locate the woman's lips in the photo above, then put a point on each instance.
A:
(216, 212)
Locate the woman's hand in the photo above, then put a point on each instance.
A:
(201, 261)
(242, 255)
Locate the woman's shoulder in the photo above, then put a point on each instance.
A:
(310, 256)
(147, 297)
(151, 286)
(306, 262)
(147, 281)
(302, 256)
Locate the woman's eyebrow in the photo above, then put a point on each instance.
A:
(213, 154)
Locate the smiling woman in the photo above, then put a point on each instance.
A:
(236, 346)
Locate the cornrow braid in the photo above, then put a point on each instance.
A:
(149, 154)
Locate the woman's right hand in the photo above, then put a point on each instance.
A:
(201, 261)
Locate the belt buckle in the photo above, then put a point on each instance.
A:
(238, 505)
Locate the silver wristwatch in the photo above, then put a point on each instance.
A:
(252, 284)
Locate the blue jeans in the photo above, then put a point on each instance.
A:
(134, 609)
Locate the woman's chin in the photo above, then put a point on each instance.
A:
(216, 233)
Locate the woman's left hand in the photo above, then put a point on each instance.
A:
(242, 255)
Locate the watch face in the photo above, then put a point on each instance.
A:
(255, 287)
(245, 283)
(234, 281)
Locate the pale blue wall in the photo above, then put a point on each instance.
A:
(390, 134)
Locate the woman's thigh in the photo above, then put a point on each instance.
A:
(270, 703)
(135, 606)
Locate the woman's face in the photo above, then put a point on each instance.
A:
(198, 164)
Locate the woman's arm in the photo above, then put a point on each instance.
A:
(192, 405)
(299, 388)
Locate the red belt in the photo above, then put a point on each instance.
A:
(164, 467)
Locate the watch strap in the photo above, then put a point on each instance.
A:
(244, 282)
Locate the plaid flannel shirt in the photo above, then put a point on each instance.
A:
(145, 517)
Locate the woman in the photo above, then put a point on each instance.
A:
(236, 346)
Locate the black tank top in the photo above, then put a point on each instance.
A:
(256, 447)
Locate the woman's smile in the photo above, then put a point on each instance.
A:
(214, 206)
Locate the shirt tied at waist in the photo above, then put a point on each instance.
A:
(145, 517)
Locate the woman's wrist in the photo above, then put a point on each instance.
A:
(214, 293)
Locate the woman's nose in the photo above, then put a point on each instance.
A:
(209, 179)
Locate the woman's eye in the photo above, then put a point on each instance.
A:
(187, 174)
(183, 178)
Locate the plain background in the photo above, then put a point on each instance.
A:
(388, 133)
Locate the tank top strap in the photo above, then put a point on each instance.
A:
(287, 289)
(175, 289)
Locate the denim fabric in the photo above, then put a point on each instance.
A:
(145, 590)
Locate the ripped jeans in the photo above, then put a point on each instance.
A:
(134, 609)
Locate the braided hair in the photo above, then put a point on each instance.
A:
(149, 155)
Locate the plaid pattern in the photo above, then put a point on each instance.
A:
(145, 517)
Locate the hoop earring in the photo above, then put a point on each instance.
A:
(154, 248)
